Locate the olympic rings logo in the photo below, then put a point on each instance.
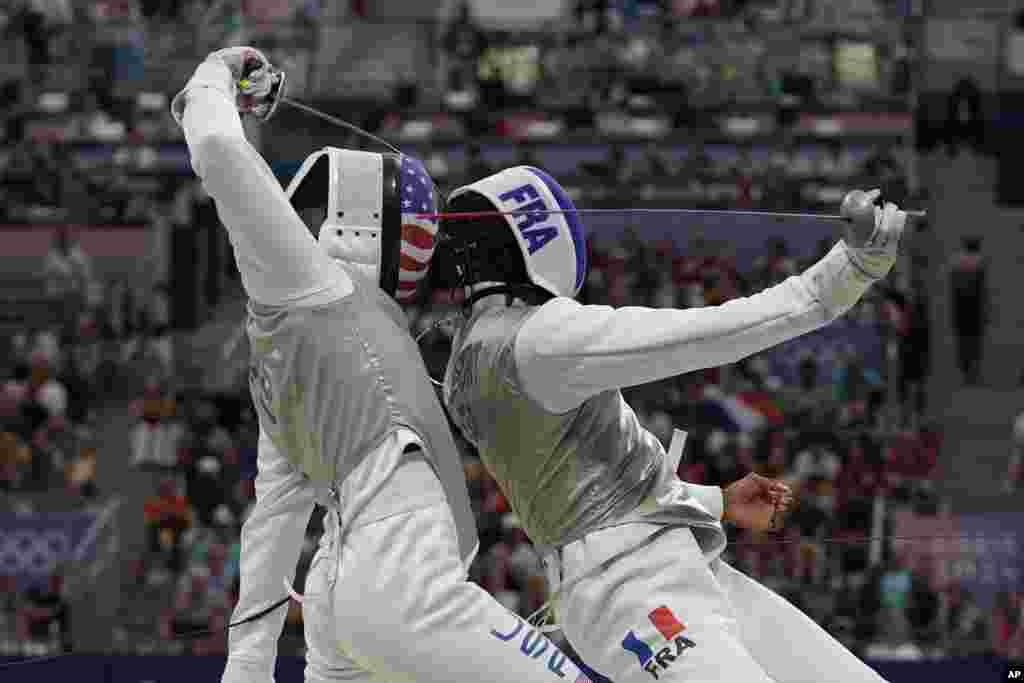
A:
(32, 552)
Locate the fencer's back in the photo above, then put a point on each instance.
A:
(331, 382)
(564, 475)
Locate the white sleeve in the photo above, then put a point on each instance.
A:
(566, 352)
(711, 497)
(272, 539)
(279, 259)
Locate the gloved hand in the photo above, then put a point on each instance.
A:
(259, 84)
(872, 234)
(243, 73)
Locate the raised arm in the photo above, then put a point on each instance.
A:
(567, 352)
(272, 540)
(279, 259)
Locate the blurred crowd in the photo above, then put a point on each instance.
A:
(46, 176)
(124, 38)
(652, 58)
(205, 447)
(80, 343)
(591, 69)
(91, 340)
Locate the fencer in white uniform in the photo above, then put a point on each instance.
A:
(533, 382)
(348, 418)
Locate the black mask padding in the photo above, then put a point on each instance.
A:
(391, 223)
(472, 250)
(312, 191)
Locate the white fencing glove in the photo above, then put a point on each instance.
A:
(242, 73)
(872, 234)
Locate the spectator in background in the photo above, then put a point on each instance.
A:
(205, 476)
(1008, 624)
(167, 516)
(965, 122)
(193, 607)
(154, 438)
(922, 610)
(854, 523)
(45, 611)
(652, 165)
(596, 17)
(40, 22)
(94, 123)
(816, 462)
(857, 388)
(45, 397)
(86, 371)
(565, 77)
(217, 642)
(527, 155)
(476, 166)
(773, 453)
(160, 10)
(462, 97)
(50, 169)
(16, 95)
(464, 41)
(17, 178)
(964, 622)
(861, 473)
(915, 355)
(811, 403)
(887, 173)
(777, 264)
(160, 345)
(1015, 472)
(837, 163)
(895, 643)
(15, 459)
(894, 587)
(80, 472)
(67, 270)
(969, 297)
(215, 579)
(8, 613)
(151, 120)
(616, 169)
(14, 388)
(869, 605)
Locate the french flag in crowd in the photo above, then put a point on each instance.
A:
(728, 412)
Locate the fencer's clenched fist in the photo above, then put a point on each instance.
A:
(243, 73)
(755, 502)
(259, 84)
(873, 233)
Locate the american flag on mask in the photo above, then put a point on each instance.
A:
(417, 240)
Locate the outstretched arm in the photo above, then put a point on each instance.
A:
(279, 259)
(272, 540)
(567, 352)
